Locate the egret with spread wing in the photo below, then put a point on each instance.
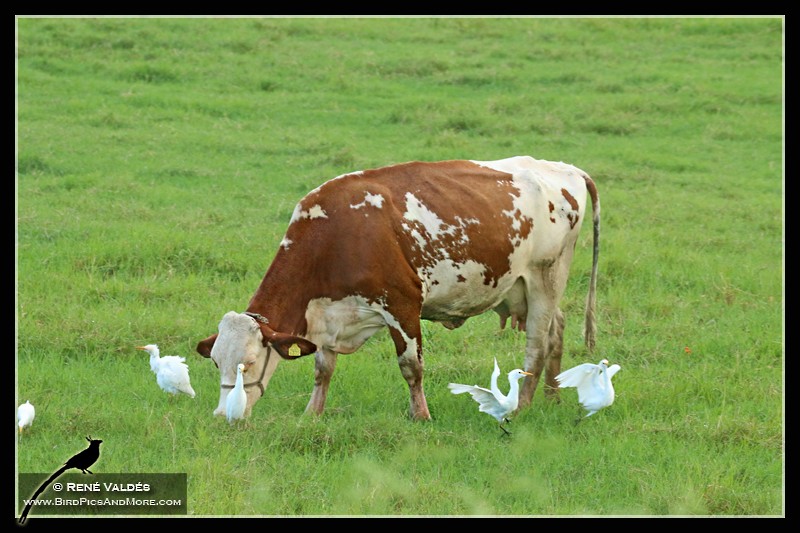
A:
(492, 401)
(593, 382)
(172, 373)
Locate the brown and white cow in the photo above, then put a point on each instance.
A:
(388, 247)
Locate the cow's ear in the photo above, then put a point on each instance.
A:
(289, 346)
(205, 345)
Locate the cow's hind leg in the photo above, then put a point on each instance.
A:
(409, 356)
(555, 348)
(545, 325)
(324, 365)
(542, 298)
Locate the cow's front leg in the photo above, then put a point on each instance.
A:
(324, 365)
(409, 357)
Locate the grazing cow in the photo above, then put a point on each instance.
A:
(388, 247)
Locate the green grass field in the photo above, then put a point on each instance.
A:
(158, 163)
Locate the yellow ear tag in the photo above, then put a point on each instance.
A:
(294, 350)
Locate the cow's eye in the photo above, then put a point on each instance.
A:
(248, 364)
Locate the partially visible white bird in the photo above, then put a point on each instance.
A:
(593, 382)
(172, 374)
(236, 401)
(493, 401)
(25, 415)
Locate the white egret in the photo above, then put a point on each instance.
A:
(25, 415)
(236, 401)
(494, 402)
(172, 373)
(593, 382)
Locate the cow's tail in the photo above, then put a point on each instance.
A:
(590, 325)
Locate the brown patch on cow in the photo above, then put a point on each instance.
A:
(573, 219)
(525, 226)
(550, 206)
(460, 278)
(573, 203)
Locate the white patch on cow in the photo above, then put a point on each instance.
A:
(354, 173)
(416, 211)
(375, 200)
(285, 243)
(517, 164)
(340, 176)
(314, 212)
(419, 238)
(454, 285)
(454, 291)
(411, 343)
(343, 325)
(435, 227)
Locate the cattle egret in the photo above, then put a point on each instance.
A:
(493, 401)
(593, 382)
(172, 374)
(236, 402)
(25, 415)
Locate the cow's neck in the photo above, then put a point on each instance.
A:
(280, 299)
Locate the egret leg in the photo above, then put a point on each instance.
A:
(507, 432)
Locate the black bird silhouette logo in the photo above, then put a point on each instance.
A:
(81, 460)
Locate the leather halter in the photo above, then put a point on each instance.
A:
(260, 381)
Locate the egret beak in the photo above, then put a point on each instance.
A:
(527, 373)
(141, 348)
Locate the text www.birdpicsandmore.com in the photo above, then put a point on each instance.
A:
(103, 494)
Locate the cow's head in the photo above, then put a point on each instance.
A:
(247, 338)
